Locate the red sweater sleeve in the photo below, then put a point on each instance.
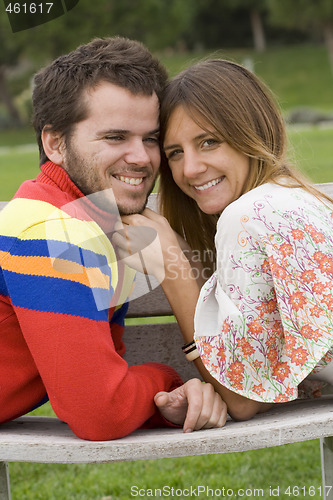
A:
(89, 385)
(69, 350)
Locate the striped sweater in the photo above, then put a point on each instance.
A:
(58, 335)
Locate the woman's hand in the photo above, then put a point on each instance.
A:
(147, 243)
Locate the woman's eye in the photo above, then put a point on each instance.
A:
(210, 142)
(173, 155)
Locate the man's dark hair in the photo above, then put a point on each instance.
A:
(58, 88)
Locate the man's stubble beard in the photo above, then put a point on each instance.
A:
(90, 184)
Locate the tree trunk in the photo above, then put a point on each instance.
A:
(258, 32)
(7, 99)
(328, 36)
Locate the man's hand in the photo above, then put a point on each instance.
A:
(196, 405)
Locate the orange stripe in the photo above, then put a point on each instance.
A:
(57, 268)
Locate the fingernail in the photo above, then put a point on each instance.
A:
(188, 430)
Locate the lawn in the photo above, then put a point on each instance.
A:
(298, 76)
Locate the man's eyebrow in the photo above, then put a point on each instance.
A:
(156, 131)
(113, 131)
(120, 131)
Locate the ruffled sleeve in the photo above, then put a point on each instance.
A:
(264, 319)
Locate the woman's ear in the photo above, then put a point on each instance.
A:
(54, 145)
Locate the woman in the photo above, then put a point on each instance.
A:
(263, 321)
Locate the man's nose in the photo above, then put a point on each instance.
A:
(137, 154)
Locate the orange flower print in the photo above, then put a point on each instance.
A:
(286, 249)
(265, 266)
(290, 391)
(317, 236)
(281, 398)
(246, 347)
(319, 256)
(206, 347)
(278, 271)
(316, 311)
(297, 300)
(297, 234)
(267, 307)
(326, 266)
(237, 385)
(308, 276)
(226, 327)
(290, 341)
(272, 357)
(235, 375)
(299, 356)
(257, 364)
(319, 288)
(221, 354)
(236, 367)
(255, 328)
(310, 333)
(328, 300)
(258, 389)
(277, 329)
(281, 371)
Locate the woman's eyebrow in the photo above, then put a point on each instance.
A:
(196, 138)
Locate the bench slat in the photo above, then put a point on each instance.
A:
(48, 440)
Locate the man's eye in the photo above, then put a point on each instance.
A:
(114, 138)
(152, 140)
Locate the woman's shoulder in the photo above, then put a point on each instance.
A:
(269, 203)
(272, 196)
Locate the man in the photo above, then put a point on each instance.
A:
(96, 120)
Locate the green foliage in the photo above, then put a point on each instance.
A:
(300, 13)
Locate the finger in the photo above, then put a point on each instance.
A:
(207, 414)
(219, 413)
(161, 399)
(195, 401)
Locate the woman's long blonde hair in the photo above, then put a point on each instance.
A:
(225, 97)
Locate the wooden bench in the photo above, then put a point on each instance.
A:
(48, 440)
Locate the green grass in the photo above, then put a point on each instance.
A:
(290, 465)
(298, 75)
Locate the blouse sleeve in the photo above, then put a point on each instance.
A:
(264, 319)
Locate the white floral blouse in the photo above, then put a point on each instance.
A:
(264, 319)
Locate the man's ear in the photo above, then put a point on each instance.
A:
(54, 145)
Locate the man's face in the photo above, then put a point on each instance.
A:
(116, 146)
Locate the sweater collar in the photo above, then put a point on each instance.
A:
(55, 175)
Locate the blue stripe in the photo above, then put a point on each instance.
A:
(119, 314)
(3, 286)
(54, 249)
(54, 295)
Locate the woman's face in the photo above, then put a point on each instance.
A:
(205, 168)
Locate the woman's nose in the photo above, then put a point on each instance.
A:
(193, 165)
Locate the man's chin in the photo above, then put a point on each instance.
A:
(132, 210)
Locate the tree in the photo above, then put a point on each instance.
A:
(307, 15)
(255, 10)
(11, 49)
